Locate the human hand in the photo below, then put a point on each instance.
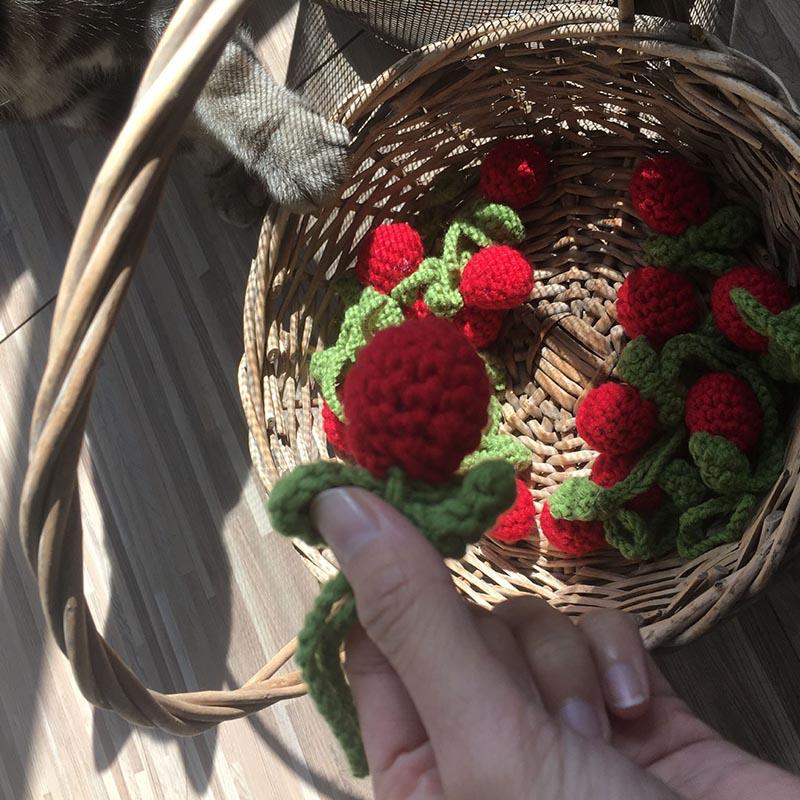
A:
(456, 702)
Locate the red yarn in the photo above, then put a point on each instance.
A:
(608, 470)
(497, 277)
(615, 418)
(669, 194)
(514, 173)
(480, 325)
(519, 521)
(416, 398)
(335, 429)
(388, 254)
(657, 303)
(723, 404)
(767, 287)
(574, 537)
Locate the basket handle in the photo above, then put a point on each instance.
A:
(626, 10)
(107, 247)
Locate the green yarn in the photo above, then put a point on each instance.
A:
(682, 482)
(450, 515)
(348, 288)
(495, 370)
(694, 538)
(498, 445)
(372, 312)
(707, 246)
(782, 359)
(638, 539)
(723, 467)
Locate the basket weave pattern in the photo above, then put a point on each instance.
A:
(600, 95)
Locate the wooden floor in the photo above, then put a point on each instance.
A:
(182, 570)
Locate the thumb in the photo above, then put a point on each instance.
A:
(410, 609)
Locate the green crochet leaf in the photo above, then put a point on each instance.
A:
(578, 498)
(782, 360)
(717, 521)
(500, 223)
(640, 539)
(723, 467)
(705, 246)
(495, 444)
(683, 484)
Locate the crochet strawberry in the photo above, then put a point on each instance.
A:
(497, 277)
(723, 404)
(335, 429)
(608, 470)
(514, 172)
(615, 418)
(417, 398)
(519, 521)
(388, 254)
(657, 303)
(768, 288)
(669, 194)
(574, 537)
(481, 326)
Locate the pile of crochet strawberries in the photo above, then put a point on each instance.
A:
(689, 433)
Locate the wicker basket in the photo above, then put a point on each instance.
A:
(601, 94)
(436, 99)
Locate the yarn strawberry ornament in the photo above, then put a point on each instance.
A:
(571, 536)
(658, 304)
(669, 194)
(388, 254)
(416, 402)
(519, 521)
(722, 404)
(766, 287)
(514, 172)
(608, 470)
(615, 418)
(496, 278)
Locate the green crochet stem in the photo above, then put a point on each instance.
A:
(782, 359)
(450, 515)
(708, 246)
(639, 539)
(373, 312)
(498, 445)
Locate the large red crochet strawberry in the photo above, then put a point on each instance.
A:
(388, 254)
(615, 418)
(608, 470)
(496, 278)
(768, 288)
(574, 537)
(723, 404)
(669, 194)
(514, 172)
(416, 398)
(657, 303)
(519, 521)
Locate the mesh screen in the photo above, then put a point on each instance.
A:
(412, 23)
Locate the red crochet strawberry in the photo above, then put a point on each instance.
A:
(657, 303)
(416, 398)
(519, 521)
(669, 194)
(497, 278)
(608, 470)
(574, 537)
(768, 288)
(723, 404)
(615, 418)
(335, 429)
(481, 326)
(388, 254)
(514, 172)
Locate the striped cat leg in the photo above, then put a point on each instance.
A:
(299, 156)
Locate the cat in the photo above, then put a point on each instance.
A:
(77, 63)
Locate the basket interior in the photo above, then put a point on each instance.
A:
(598, 106)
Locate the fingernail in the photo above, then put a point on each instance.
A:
(623, 686)
(345, 521)
(580, 715)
